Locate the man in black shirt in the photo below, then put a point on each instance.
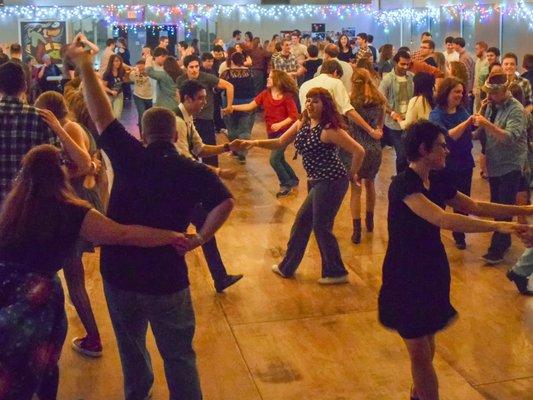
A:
(157, 186)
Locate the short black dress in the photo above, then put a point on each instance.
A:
(415, 295)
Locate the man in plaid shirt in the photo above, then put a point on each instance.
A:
(509, 64)
(286, 61)
(21, 127)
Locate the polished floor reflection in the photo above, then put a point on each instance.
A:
(272, 339)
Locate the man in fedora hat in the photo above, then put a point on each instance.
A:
(504, 124)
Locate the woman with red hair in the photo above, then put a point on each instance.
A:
(317, 137)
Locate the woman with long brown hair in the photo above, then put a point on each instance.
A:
(385, 64)
(40, 221)
(114, 78)
(317, 136)
(167, 95)
(368, 101)
(53, 109)
(280, 113)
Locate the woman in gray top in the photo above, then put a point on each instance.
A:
(167, 90)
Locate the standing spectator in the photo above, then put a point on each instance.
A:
(427, 49)
(504, 124)
(166, 79)
(368, 101)
(195, 48)
(114, 78)
(417, 56)
(21, 126)
(236, 38)
(363, 49)
(239, 48)
(464, 57)
(15, 51)
(108, 52)
(219, 59)
(122, 51)
(441, 63)
(239, 124)
(458, 70)
(280, 110)
(312, 64)
(385, 64)
(142, 90)
(372, 48)
(451, 115)
(204, 121)
(248, 37)
(163, 42)
(260, 59)
(49, 76)
(493, 55)
(298, 49)
(481, 71)
(286, 61)
(509, 65)
(527, 65)
(397, 87)
(449, 50)
(208, 61)
(345, 51)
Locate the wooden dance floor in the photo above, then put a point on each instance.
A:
(270, 339)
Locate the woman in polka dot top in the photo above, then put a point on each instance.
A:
(317, 137)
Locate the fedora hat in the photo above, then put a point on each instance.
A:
(495, 82)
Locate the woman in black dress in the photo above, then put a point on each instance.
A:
(40, 221)
(415, 296)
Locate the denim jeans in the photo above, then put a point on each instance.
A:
(142, 105)
(258, 80)
(171, 318)
(503, 190)
(210, 248)
(317, 214)
(239, 125)
(395, 137)
(206, 130)
(524, 265)
(286, 175)
(462, 180)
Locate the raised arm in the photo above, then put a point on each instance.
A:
(514, 127)
(95, 98)
(94, 49)
(456, 132)
(426, 209)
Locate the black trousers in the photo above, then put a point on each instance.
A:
(210, 248)
(206, 130)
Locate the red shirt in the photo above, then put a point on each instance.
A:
(277, 110)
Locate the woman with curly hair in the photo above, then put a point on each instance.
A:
(280, 113)
(317, 137)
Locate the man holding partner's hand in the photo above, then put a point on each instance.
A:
(157, 187)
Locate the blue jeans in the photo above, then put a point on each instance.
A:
(239, 126)
(503, 190)
(524, 265)
(317, 214)
(286, 175)
(171, 318)
(395, 137)
(141, 105)
(258, 79)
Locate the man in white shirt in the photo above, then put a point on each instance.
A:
(298, 49)
(331, 52)
(189, 144)
(449, 51)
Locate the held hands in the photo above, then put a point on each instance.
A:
(184, 243)
(276, 127)
(239, 145)
(377, 133)
(227, 110)
(479, 120)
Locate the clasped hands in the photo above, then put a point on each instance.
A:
(241, 144)
(185, 242)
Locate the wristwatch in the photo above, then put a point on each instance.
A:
(226, 147)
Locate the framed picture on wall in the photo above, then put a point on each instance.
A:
(42, 37)
(87, 26)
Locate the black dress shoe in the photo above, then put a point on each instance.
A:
(520, 282)
(227, 282)
(461, 245)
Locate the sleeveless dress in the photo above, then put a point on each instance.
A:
(415, 295)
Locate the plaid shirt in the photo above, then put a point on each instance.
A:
(21, 128)
(526, 89)
(285, 64)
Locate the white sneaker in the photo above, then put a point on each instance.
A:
(333, 280)
(276, 270)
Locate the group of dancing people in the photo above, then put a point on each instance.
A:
(338, 118)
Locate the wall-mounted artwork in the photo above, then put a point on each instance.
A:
(43, 37)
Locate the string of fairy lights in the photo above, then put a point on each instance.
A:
(189, 15)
